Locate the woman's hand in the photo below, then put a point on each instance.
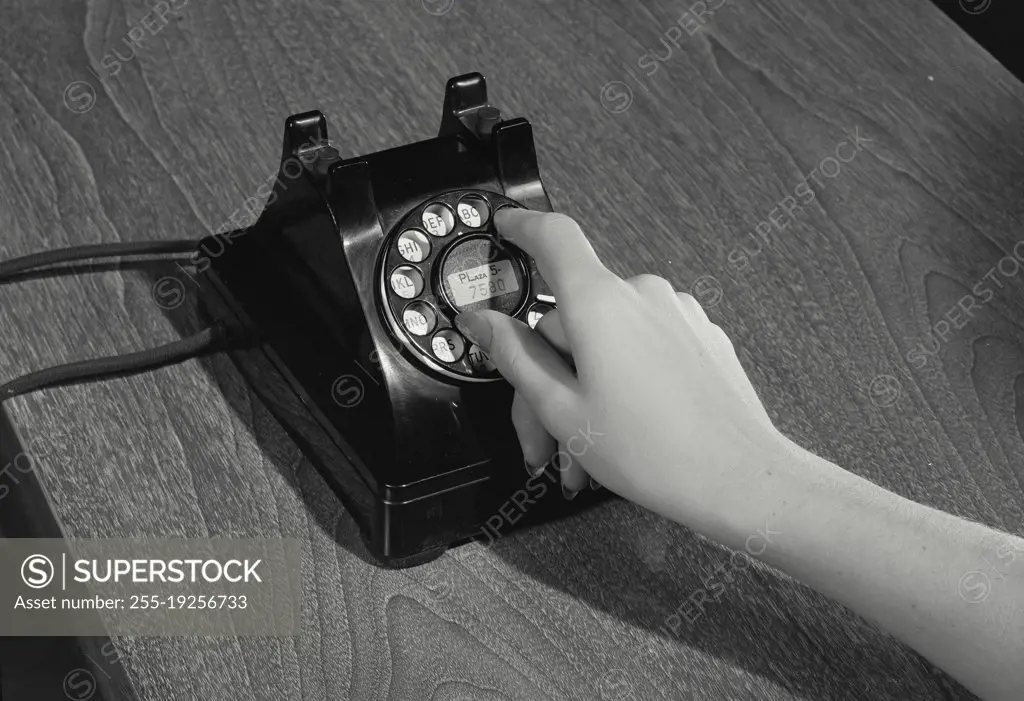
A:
(659, 410)
(657, 407)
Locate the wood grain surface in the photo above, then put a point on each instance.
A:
(832, 309)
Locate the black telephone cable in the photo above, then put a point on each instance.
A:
(46, 259)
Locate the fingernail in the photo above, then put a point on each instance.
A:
(568, 493)
(531, 470)
(594, 484)
(476, 328)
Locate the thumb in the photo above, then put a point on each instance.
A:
(527, 361)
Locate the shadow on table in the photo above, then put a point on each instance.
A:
(693, 594)
(658, 576)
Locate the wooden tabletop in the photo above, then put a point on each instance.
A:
(839, 183)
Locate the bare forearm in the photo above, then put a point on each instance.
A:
(678, 425)
(950, 588)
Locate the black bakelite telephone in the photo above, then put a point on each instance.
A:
(346, 289)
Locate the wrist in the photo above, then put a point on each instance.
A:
(778, 486)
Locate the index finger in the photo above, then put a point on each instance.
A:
(564, 256)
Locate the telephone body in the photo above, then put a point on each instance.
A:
(343, 296)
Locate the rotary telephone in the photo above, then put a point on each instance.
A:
(346, 289)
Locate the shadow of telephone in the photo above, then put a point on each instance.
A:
(346, 290)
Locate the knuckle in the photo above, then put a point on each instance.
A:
(722, 337)
(649, 283)
(691, 305)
